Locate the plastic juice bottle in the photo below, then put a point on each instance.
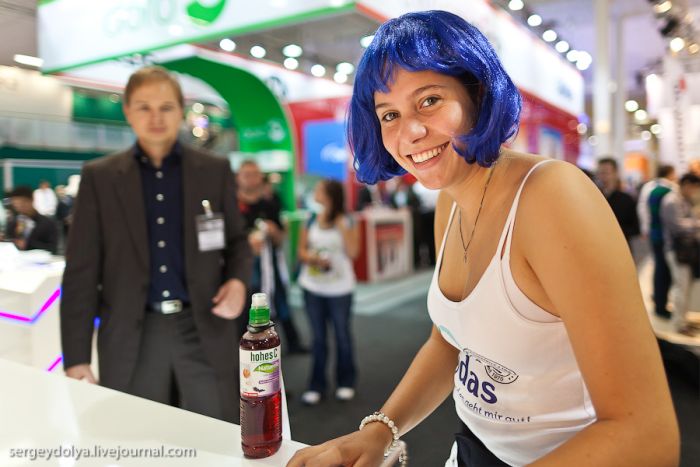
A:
(261, 399)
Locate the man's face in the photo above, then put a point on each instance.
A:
(22, 205)
(154, 113)
(607, 175)
(250, 178)
(691, 192)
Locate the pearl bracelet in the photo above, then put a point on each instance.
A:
(380, 417)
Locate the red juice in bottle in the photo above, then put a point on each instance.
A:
(261, 399)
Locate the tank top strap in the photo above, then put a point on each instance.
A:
(507, 234)
(444, 236)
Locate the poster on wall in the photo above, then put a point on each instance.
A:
(326, 153)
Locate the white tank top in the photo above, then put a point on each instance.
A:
(517, 384)
(339, 279)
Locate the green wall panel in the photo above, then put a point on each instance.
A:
(97, 108)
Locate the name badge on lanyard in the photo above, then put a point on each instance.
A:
(210, 229)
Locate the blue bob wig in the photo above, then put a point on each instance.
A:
(444, 43)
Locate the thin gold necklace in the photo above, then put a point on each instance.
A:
(478, 213)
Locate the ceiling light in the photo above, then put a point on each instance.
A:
(340, 78)
(516, 5)
(366, 41)
(345, 68)
(291, 63)
(572, 55)
(646, 135)
(257, 51)
(582, 128)
(28, 60)
(583, 66)
(655, 129)
(562, 47)
(318, 70)
(198, 107)
(583, 60)
(677, 44)
(227, 45)
(534, 20)
(663, 7)
(549, 35)
(631, 105)
(641, 115)
(593, 140)
(292, 50)
(694, 48)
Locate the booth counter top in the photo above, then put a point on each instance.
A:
(50, 412)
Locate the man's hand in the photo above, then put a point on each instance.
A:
(81, 372)
(230, 299)
(20, 243)
(256, 240)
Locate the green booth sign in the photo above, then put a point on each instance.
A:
(75, 33)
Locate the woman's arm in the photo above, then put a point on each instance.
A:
(423, 388)
(350, 233)
(574, 246)
(304, 254)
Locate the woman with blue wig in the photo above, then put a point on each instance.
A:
(540, 332)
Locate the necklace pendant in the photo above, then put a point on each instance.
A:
(465, 257)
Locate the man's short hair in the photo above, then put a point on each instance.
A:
(21, 191)
(152, 74)
(690, 179)
(249, 163)
(608, 160)
(665, 170)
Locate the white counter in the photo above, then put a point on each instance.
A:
(41, 410)
(29, 303)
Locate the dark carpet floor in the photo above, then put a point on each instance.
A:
(385, 346)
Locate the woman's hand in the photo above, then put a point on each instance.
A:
(358, 449)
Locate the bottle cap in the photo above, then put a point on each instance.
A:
(259, 300)
(259, 311)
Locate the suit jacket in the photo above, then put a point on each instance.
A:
(107, 264)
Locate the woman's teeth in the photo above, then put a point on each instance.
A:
(427, 155)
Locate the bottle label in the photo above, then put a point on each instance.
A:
(260, 372)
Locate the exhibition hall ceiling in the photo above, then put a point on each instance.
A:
(17, 29)
(336, 39)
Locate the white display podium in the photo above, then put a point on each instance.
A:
(42, 410)
(29, 302)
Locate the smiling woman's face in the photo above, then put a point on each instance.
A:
(421, 115)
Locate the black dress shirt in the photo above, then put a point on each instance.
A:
(162, 197)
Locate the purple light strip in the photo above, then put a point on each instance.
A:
(15, 317)
(54, 296)
(55, 363)
(47, 304)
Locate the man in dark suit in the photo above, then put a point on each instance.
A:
(28, 229)
(157, 251)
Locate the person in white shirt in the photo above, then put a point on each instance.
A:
(45, 200)
(666, 176)
(649, 225)
(678, 220)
